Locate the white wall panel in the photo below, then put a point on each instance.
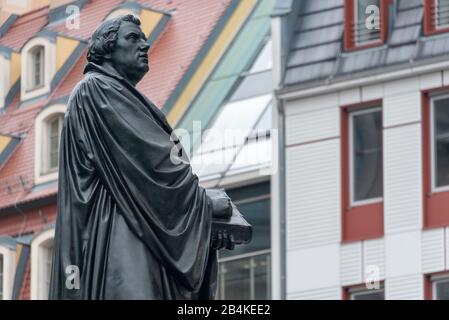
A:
(431, 80)
(402, 178)
(446, 78)
(402, 108)
(433, 250)
(351, 263)
(313, 268)
(372, 92)
(374, 255)
(392, 88)
(351, 96)
(405, 288)
(312, 125)
(313, 195)
(446, 242)
(332, 293)
(403, 254)
(309, 104)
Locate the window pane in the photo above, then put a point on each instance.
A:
(54, 130)
(368, 295)
(234, 123)
(237, 279)
(253, 85)
(262, 280)
(38, 67)
(441, 143)
(367, 25)
(245, 278)
(367, 168)
(442, 13)
(442, 290)
(265, 59)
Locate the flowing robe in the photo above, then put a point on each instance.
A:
(134, 223)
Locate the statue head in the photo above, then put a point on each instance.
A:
(120, 43)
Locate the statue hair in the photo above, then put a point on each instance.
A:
(105, 37)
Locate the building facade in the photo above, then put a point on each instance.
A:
(195, 54)
(362, 105)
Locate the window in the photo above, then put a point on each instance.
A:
(362, 171)
(48, 127)
(435, 137)
(440, 143)
(41, 264)
(37, 67)
(245, 278)
(53, 134)
(365, 23)
(440, 288)
(366, 294)
(245, 272)
(366, 155)
(436, 18)
(7, 267)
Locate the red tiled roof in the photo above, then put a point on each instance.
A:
(25, 27)
(73, 77)
(91, 15)
(186, 32)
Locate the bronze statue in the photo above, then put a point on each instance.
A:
(131, 223)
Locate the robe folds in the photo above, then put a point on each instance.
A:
(131, 223)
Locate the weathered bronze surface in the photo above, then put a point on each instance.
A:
(131, 224)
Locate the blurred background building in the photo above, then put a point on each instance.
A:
(363, 178)
(209, 61)
(341, 163)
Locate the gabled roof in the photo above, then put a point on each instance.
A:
(8, 144)
(91, 15)
(188, 29)
(316, 55)
(24, 27)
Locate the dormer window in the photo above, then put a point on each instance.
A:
(48, 137)
(38, 60)
(436, 19)
(37, 67)
(365, 23)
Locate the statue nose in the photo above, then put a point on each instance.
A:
(145, 46)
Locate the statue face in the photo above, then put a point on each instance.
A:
(130, 57)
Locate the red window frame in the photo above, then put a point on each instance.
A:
(349, 43)
(428, 284)
(430, 27)
(361, 222)
(346, 294)
(436, 204)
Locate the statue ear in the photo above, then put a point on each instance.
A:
(107, 56)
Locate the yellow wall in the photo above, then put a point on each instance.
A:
(64, 48)
(22, 6)
(4, 140)
(149, 20)
(227, 35)
(15, 68)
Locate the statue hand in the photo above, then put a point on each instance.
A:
(222, 240)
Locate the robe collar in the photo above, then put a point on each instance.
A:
(90, 66)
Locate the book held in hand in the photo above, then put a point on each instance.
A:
(241, 230)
